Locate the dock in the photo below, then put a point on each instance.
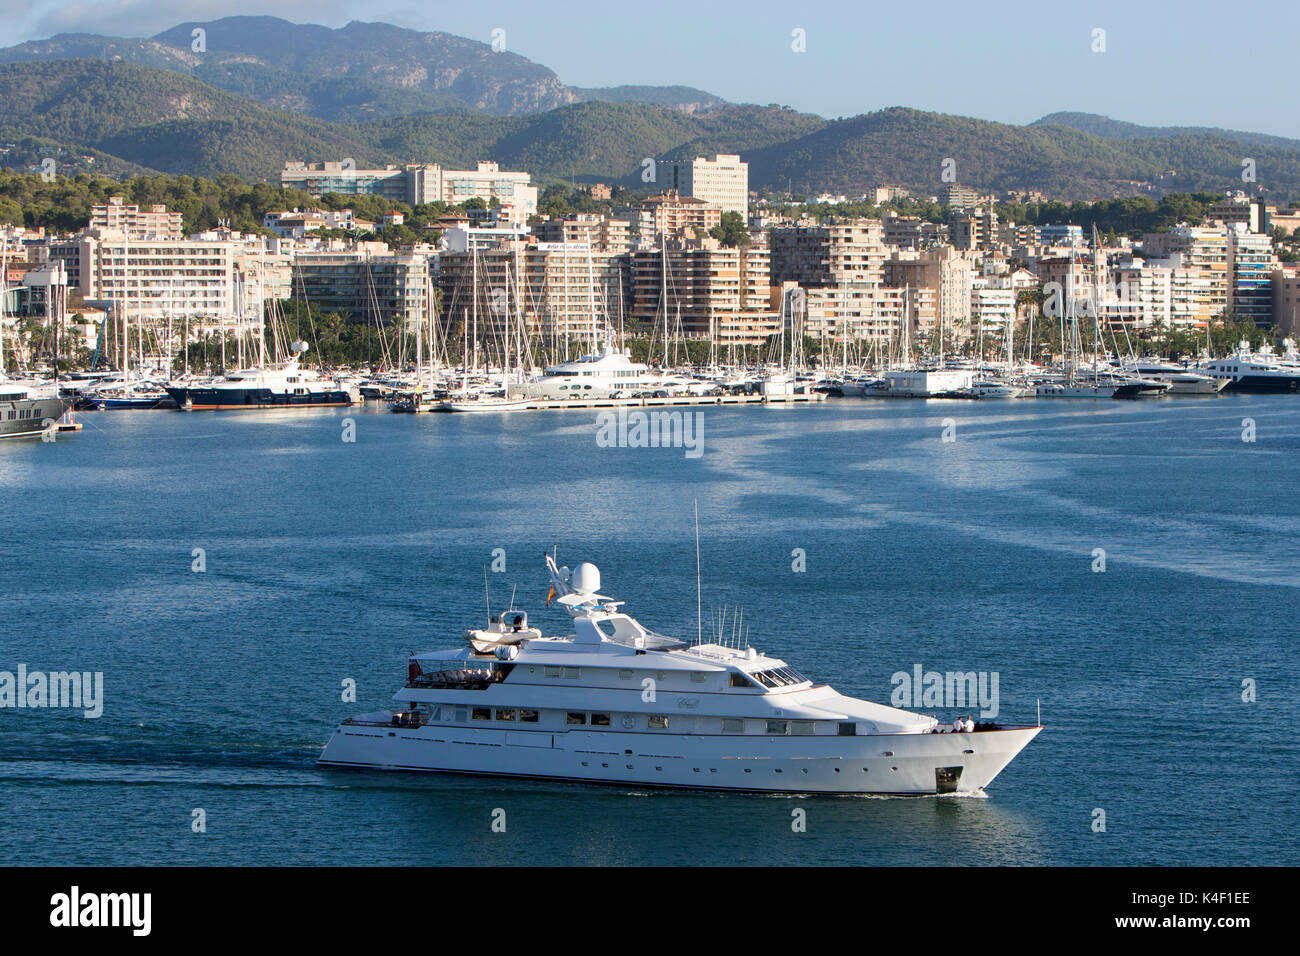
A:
(677, 400)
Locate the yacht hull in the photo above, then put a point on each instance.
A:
(1264, 384)
(912, 764)
(30, 416)
(219, 399)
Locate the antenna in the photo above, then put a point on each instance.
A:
(486, 601)
(512, 597)
(699, 600)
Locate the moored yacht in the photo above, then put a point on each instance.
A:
(286, 385)
(607, 373)
(1248, 371)
(29, 410)
(614, 702)
(1181, 381)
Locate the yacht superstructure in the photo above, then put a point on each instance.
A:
(616, 703)
(606, 373)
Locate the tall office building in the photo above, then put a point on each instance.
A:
(722, 181)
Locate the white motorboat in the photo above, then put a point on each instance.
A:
(995, 388)
(613, 702)
(1181, 381)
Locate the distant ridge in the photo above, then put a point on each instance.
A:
(263, 91)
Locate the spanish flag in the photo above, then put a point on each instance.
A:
(550, 593)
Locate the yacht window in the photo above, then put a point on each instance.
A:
(549, 671)
(600, 720)
(779, 677)
(527, 716)
(697, 677)
(848, 730)
(460, 713)
(433, 712)
(573, 672)
(777, 726)
(740, 680)
(801, 727)
(575, 718)
(482, 713)
(733, 725)
(505, 713)
(656, 723)
(625, 675)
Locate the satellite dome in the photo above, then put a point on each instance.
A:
(299, 346)
(586, 578)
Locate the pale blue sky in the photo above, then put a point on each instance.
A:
(1195, 62)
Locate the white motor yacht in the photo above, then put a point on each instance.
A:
(606, 373)
(614, 702)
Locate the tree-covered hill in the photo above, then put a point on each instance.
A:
(121, 118)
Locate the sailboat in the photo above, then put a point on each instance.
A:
(489, 401)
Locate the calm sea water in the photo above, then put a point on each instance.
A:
(329, 560)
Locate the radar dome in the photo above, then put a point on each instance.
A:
(586, 578)
(299, 347)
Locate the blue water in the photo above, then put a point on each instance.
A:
(328, 560)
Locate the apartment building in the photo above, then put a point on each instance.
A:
(136, 223)
(152, 278)
(1286, 300)
(569, 289)
(674, 215)
(1203, 253)
(605, 235)
(702, 289)
(416, 184)
(941, 269)
(1251, 264)
(1239, 208)
(363, 281)
(825, 255)
(861, 312)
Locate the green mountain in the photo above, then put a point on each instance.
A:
(165, 121)
(1107, 128)
(117, 117)
(910, 147)
(161, 120)
(358, 72)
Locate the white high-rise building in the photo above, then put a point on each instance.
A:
(722, 181)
